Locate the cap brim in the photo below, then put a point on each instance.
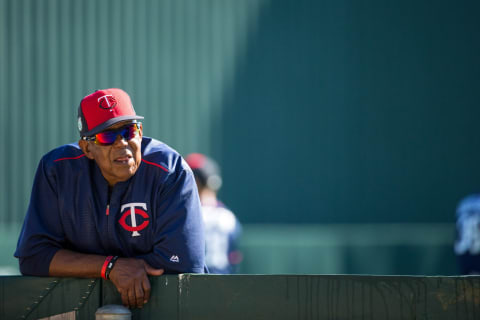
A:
(110, 123)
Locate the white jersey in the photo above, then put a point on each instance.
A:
(221, 233)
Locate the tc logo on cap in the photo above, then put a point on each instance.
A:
(107, 102)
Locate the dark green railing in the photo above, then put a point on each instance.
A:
(253, 297)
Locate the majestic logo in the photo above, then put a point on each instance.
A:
(107, 102)
(132, 211)
(174, 258)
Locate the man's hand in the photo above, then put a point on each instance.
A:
(130, 276)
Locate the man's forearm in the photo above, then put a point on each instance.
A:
(66, 263)
(130, 275)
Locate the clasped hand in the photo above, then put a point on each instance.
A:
(130, 276)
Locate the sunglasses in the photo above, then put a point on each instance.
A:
(108, 137)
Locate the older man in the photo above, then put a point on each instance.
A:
(116, 205)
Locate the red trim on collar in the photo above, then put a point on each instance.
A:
(155, 164)
(69, 158)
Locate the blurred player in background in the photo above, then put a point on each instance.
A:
(222, 228)
(467, 243)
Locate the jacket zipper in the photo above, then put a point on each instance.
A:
(107, 213)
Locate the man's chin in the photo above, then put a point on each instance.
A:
(125, 171)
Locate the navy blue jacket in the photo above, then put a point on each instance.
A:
(155, 215)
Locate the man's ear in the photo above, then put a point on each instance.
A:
(85, 146)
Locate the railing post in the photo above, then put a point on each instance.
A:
(113, 312)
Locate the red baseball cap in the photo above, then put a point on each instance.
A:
(102, 109)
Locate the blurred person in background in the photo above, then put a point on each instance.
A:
(467, 242)
(222, 228)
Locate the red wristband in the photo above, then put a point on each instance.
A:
(104, 267)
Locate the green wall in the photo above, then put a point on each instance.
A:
(355, 111)
(318, 111)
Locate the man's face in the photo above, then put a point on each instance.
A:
(119, 161)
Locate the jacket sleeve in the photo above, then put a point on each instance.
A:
(42, 235)
(179, 245)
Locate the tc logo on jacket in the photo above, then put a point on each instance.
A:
(132, 210)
